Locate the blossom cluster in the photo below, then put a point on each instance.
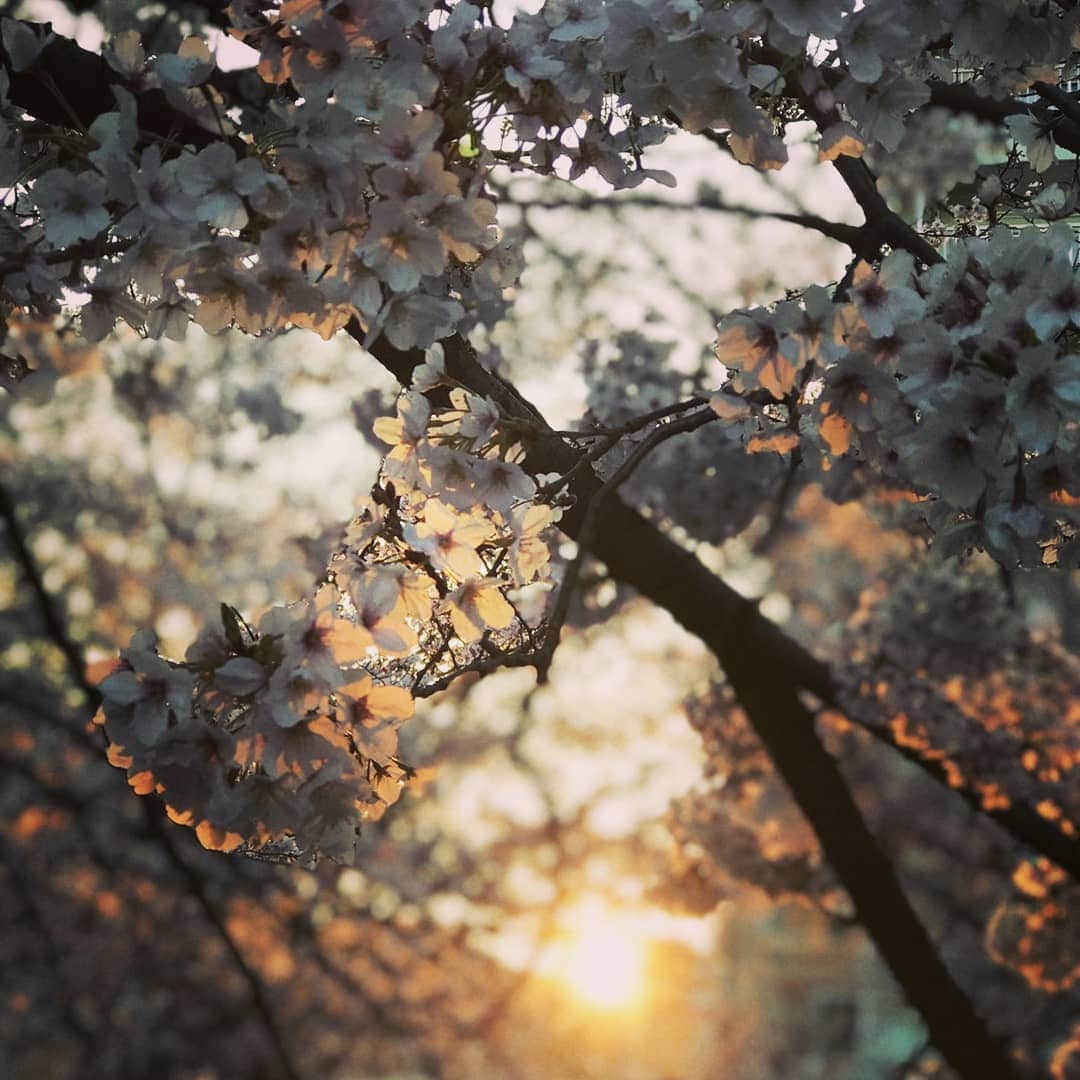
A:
(940, 665)
(354, 188)
(287, 732)
(347, 198)
(960, 383)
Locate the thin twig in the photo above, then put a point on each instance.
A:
(54, 624)
(612, 436)
(783, 500)
(839, 231)
(483, 665)
(587, 533)
(69, 254)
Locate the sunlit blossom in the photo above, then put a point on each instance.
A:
(477, 606)
(449, 539)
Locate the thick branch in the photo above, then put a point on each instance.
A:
(883, 224)
(637, 552)
(1066, 131)
(787, 731)
(586, 536)
(66, 79)
(963, 98)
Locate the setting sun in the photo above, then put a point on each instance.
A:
(606, 967)
(601, 957)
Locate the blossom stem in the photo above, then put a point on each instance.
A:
(611, 437)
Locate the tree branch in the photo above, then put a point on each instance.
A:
(963, 98)
(55, 626)
(196, 886)
(639, 554)
(609, 437)
(587, 533)
(1069, 108)
(849, 235)
(882, 224)
(84, 82)
(787, 730)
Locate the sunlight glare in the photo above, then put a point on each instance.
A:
(602, 958)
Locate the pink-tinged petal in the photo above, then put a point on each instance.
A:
(394, 637)
(493, 608)
(466, 625)
(151, 720)
(388, 430)
(390, 703)
(349, 641)
(240, 676)
(463, 562)
(358, 688)
(124, 688)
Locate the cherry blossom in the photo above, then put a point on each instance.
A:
(149, 691)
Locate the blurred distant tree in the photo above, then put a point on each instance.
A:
(349, 183)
